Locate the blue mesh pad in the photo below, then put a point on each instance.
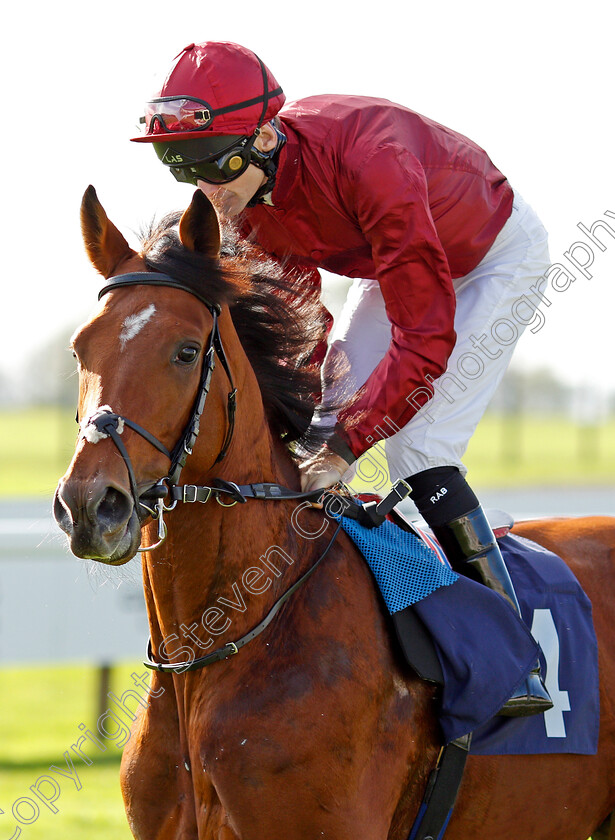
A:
(406, 570)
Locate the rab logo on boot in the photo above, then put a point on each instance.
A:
(441, 492)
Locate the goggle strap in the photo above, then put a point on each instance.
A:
(264, 98)
(265, 93)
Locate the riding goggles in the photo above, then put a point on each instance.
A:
(215, 160)
(178, 114)
(173, 114)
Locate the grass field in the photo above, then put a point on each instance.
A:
(41, 712)
(36, 446)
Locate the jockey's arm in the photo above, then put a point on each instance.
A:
(389, 199)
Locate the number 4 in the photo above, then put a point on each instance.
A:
(545, 633)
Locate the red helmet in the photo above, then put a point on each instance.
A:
(215, 88)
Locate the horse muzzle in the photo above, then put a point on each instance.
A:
(100, 520)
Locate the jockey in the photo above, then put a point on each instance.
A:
(445, 256)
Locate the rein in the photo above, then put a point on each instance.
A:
(231, 648)
(106, 423)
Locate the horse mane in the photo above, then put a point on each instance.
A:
(281, 327)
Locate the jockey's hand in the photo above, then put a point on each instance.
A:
(322, 470)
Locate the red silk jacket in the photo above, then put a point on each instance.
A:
(370, 189)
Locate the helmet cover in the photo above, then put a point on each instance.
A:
(225, 86)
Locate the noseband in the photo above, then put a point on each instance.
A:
(107, 423)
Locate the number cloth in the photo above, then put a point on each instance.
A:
(486, 651)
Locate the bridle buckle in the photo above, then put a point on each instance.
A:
(189, 493)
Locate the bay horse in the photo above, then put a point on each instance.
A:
(316, 728)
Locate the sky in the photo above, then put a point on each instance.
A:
(531, 82)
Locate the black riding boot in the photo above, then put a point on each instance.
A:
(472, 550)
(444, 498)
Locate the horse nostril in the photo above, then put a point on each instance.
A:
(61, 512)
(115, 508)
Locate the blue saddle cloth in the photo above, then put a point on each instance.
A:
(486, 651)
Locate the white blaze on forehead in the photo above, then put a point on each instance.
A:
(133, 324)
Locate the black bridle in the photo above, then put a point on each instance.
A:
(106, 423)
(109, 424)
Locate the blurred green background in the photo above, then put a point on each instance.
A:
(508, 449)
(42, 708)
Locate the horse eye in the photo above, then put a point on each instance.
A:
(187, 355)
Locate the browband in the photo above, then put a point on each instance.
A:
(154, 278)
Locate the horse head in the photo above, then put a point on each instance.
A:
(140, 358)
(146, 367)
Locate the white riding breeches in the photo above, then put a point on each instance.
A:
(495, 302)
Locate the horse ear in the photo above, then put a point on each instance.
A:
(199, 229)
(105, 245)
